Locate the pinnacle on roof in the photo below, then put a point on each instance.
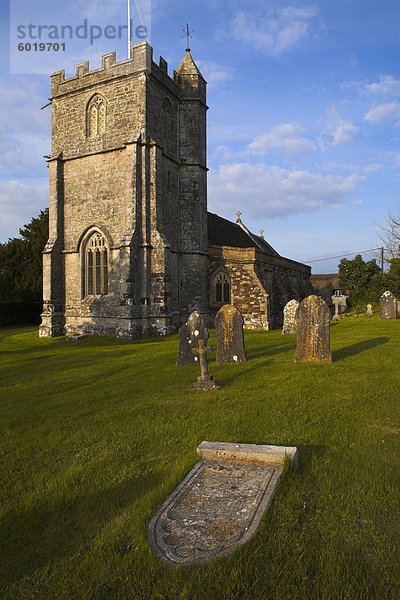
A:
(188, 66)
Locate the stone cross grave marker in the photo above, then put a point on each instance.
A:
(289, 317)
(369, 310)
(387, 306)
(229, 331)
(313, 335)
(205, 381)
(219, 504)
(336, 315)
(189, 335)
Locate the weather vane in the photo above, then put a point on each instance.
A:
(187, 33)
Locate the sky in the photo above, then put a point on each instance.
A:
(304, 108)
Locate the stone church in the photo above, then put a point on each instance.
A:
(132, 249)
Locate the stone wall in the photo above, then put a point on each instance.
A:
(261, 284)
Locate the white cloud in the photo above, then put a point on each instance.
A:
(372, 168)
(341, 131)
(386, 86)
(274, 30)
(270, 192)
(344, 132)
(383, 112)
(214, 73)
(19, 202)
(285, 139)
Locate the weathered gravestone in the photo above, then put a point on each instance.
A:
(289, 317)
(189, 335)
(387, 306)
(229, 332)
(220, 503)
(313, 335)
(369, 310)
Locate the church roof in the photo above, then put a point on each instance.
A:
(222, 232)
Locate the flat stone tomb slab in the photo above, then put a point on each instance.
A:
(219, 505)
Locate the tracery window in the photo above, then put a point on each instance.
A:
(96, 266)
(222, 288)
(96, 116)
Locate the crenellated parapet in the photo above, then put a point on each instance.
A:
(140, 60)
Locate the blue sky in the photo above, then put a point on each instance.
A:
(304, 118)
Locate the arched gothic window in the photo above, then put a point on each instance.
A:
(222, 288)
(96, 116)
(96, 266)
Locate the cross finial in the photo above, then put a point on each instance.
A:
(187, 33)
(262, 233)
(238, 214)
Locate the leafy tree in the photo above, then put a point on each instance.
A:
(363, 280)
(21, 272)
(393, 277)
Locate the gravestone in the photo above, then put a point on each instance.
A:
(369, 310)
(289, 317)
(205, 381)
(189, 335)
(229, 332)
(313, 335)
(219, 504)
(336, 304)
(387, 306)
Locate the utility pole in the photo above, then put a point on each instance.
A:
(382, 259)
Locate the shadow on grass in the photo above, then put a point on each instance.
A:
(49, 531)
(358, 348)
(270, 351)
(307, 454)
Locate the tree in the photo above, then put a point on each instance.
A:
(393, 277)
(390, 234)
(363, 280)
(21, 272)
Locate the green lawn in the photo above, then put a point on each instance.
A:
(95, 434)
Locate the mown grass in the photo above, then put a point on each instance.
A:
(95, 434)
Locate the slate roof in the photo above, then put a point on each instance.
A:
(222, 232)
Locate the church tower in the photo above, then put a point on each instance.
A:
(127, 248)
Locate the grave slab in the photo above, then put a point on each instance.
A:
(219, 505)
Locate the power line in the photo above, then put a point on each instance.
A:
(341, 256)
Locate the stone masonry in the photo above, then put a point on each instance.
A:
(140, 182)
(130, 250)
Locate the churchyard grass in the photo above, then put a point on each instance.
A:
(95, 434)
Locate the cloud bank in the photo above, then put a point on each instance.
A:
(271, 192)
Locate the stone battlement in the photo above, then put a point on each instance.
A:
(141, 59)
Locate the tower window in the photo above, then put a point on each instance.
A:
(96, 266)
(96, 116)
(222, 288)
